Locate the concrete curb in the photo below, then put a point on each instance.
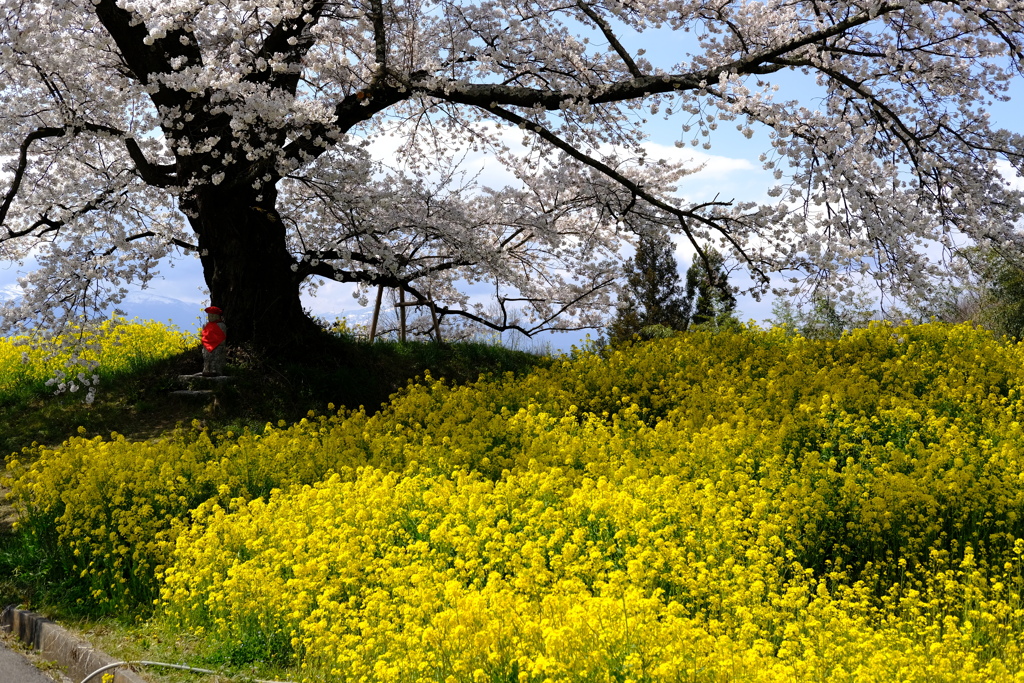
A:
(78, 657)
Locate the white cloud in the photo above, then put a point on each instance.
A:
(10, 292)
(332, 299)
(727, 177)
(1013, 179)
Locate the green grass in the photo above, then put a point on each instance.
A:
(352, 373)
(133, 401)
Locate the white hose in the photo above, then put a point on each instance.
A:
(182, 667)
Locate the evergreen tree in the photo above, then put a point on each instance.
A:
(651, 303)
(709, 300)
(1002, 297)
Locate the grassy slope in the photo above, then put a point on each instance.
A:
(339, 371)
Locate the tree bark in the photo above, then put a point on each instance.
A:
(247, 267)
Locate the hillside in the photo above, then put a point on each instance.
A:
(746, 506)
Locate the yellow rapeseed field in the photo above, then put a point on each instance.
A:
(742, 506)
(116, 345)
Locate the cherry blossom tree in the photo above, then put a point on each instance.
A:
(245, 132)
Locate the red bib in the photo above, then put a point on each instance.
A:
(213, 336)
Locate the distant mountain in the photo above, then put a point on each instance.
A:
(189, 315)
(359, 316)
(186, 315)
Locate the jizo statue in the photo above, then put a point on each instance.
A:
(213, 336)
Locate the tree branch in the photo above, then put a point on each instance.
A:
(158, 175)
(145, 61)
(179, 47)
(606, 29)
(681, 215)
(380, 45)
(154, 174)
(350, 111)
(363, 105)
(149, 233)
(486, 95)
(505, 326)
(19, 172)
(52, 225)
(321, 269)
(277, 46)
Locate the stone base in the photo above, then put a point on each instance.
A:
(193, 393)
(197, 386)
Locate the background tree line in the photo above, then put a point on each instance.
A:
(655, 302)
(989, 293)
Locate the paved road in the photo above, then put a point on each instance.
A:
(15, 668)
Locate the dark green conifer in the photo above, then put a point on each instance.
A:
(651, 303)
(709, 300)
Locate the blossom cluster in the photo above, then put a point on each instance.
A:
(714, 506)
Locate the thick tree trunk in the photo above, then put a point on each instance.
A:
(247, 267)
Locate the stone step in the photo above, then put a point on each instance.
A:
(193, 393)
(199, 377)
